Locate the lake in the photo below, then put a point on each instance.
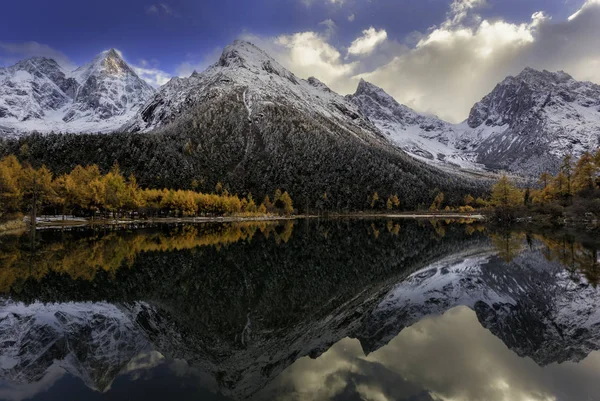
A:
(340, 309)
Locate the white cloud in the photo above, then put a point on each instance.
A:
(351, 17)
(460, 9)
(330, 27)
(310, 54)
(13, 52)
(450, 67)
(454, 66)
(588, 3)
(365, 44)
(307, 54)
(153, 76)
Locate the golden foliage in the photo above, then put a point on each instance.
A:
(86, 190)
(83, 259)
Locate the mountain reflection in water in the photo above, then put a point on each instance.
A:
(288, 310)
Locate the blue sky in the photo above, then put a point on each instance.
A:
(185, 30)
(169, 37)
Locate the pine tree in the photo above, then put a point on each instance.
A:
(585, 175)
(505, 194)
(437, 202)
(374, 200)
(288, 206)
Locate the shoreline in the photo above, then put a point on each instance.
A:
(56, 222)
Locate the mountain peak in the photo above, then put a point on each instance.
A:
(366, 87)
(112, 52)
(109, 62)
(543, 77)
(243, 54)
(38, 62)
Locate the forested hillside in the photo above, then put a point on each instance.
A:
(280, 148)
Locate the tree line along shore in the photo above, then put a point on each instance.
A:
(88, 193)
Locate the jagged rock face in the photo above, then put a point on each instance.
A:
(109, 88)
(38, 94)
(262, 82)
(534, 119)
(525, 125)
(425, 137)
(32, 88)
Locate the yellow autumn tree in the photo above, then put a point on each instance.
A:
(374, 200)
(115, 189)
(37, 188)
(11, 194)
(585, 174)
(506, 194)
(437, 202)
(287, 204)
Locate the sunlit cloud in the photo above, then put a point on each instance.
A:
(451, 66)
(152, 76)
(370, 39)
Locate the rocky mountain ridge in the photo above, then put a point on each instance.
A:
(526, 125)
(39, 94)
(262, 82)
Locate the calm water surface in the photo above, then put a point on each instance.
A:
(305, 310)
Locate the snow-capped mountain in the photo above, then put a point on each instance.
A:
(532, 120)
(424, 137)
(34, 88)
(261, 82)
(525, 125)
(38, 94)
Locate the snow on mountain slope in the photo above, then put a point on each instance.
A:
(534, 119)
(423, 137)
(33, 88)
(38, 94)
(525, 125)
(262, 81)
(109, 88)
